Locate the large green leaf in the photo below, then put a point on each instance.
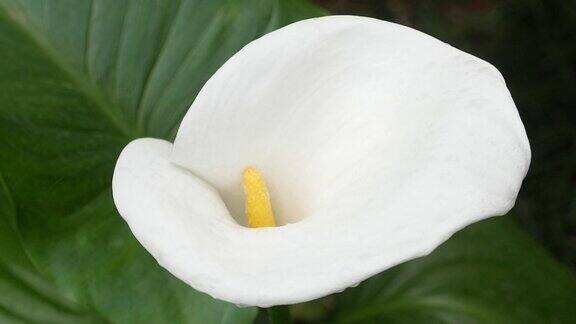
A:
(78, 80)
(488, 273)
(27, 296)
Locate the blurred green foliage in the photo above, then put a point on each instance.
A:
(489, 272)
(533, 44)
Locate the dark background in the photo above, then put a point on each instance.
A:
(533, 44)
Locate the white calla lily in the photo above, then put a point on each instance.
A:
(377, 143)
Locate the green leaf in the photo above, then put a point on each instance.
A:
(79, 80)
(489, 272)
(26, 295)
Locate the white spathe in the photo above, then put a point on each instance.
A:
(377, 143)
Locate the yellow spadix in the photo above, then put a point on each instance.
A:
(258, 206)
